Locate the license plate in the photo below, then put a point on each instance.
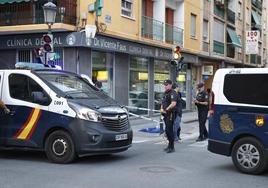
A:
(121, 137)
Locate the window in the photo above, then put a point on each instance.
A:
(25, 56)
(218, 32)
(193, 26)
(138, 84)
(22, 86)
(205, 30)
(248, 16)
(161, 73)
(30, 55)
(254, 92)
(102, 71)
(259, 49)
(239, 10)
(126, 8)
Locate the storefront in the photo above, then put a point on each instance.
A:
(130, 72)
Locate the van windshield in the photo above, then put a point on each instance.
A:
(69, 85)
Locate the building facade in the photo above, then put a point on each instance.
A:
(226, 24)
(132, 49)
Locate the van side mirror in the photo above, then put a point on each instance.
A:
(39, 98)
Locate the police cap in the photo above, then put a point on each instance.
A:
(167, 82)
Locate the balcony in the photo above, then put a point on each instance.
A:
(231, 16)
(218, 47)
(174, 35)
(230, 51)
(255, 59)
(257, 3)
(27, 13)
(152, 29)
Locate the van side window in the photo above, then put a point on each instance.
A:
(246, 88)
(22, 86)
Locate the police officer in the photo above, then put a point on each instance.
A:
(168, 109)
(201, 102)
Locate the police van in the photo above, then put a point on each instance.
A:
(238, 126)
(60, 113)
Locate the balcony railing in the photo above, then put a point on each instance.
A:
(26, 13)
(174, 35)
(152, 28)
(230, 51)
(255, 59)
(257, 3)
(205, 46)
(231, 16)
(218, 47)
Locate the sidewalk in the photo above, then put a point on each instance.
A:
(189, 126)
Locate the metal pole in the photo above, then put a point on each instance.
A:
(173, 73)
(243, 33)
(46, 58)
(46, 53)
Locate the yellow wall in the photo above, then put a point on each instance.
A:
(194, 7)
(120, 25)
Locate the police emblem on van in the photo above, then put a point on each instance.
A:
(226, 124)
(259, 121)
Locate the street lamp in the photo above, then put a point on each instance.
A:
(50, 10)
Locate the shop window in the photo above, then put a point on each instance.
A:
(138, 84)
(161, 73)
(102, 71)
(181, 80)
(25, 56)
(33, 56)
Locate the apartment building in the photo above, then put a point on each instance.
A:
(225, 26)
(131, 51)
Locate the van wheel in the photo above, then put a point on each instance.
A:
(59, 147)
(248, 156)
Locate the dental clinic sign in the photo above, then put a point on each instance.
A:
(29, 42)
(252, 42)
(78, 39)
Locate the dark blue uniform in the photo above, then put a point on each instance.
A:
(202, 114)
(170, 116)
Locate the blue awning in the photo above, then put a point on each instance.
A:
(256, 18)
(13, 1)
(234, 38)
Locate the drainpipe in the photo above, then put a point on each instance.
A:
(243, 33)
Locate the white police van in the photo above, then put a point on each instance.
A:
(238, 126)
(60, 113)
